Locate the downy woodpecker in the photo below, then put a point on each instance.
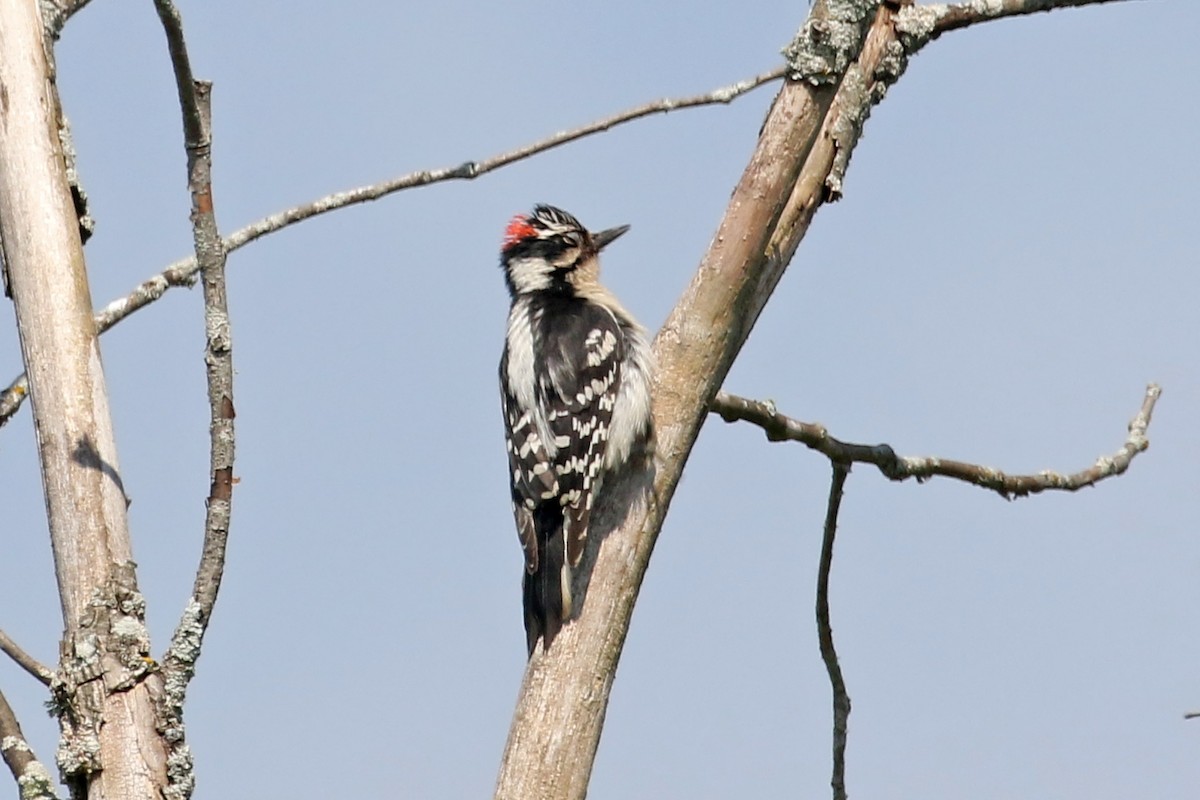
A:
(575, 389)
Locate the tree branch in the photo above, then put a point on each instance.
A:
(835, 77)
(33, 779)
(560, 711)
(469, 170)
(184, 271)
(24, 660)
(779, 427)
(179, 663)
(841, 699)
(788, 178)
(920, 24)
(55, 14)
(195, 102)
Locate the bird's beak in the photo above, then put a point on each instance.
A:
(603, 239)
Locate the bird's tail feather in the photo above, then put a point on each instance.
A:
(547, 590)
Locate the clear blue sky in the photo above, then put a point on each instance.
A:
(1014, 259)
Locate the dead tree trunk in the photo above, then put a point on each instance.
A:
(110, 748)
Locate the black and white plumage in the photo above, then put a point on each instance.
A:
(575, 387)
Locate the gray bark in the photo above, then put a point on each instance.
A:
(101, 681)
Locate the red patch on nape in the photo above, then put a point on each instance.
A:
(517, 231)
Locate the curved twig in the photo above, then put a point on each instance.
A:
(179, 662)
(779, 427)
(841, 698)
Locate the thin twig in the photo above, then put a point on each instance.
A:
(1192, 715)
(195, 132)
(25, 661)
(183, 272)
(841, 699)
(469, 170)
(960, 15)
(195, 102)
(33, 779)
(179, 663)
(919, 24)
(779, 427)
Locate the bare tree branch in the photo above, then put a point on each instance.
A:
(195, 101)
(33, 779)
(841, 699)
(560, 711)
(183, 272)
(179, 663)
(469, 170)
(779, 427)
(806, 139)
(12, 397)
(918, 24)
(806, 135)
(55, 14)
(24, 660)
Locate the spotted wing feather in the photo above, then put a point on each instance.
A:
(577, 395)
(531, 476)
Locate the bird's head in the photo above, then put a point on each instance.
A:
(549, 250)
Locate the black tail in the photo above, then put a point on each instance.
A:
(547, 590)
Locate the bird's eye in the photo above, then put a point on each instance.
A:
(570, 239)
